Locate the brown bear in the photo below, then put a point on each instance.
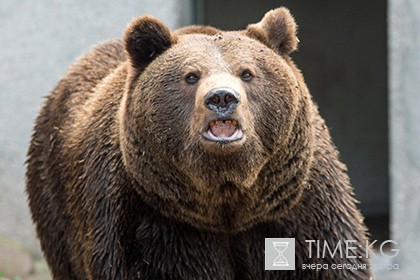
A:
(173, 155)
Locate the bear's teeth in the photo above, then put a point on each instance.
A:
(228, 122)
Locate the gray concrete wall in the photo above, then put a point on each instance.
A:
(404, 59)
(38, 41)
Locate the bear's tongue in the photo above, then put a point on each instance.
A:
(223, 129)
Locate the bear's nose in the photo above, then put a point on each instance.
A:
(222, 100)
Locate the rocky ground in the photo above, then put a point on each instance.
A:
(17, 263)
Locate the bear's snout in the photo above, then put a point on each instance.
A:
(222, 101)
(224, 128)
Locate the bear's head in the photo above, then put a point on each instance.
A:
(215, 127)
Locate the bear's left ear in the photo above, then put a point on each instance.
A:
(277, 30)
(145, 38)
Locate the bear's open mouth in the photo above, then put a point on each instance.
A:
(223, 131)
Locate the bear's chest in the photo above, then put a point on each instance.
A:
(182, 252)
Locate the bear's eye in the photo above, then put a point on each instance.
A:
(246, 75)
(192, 78)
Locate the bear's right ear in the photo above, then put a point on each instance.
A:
(277, 30)
(145, 38)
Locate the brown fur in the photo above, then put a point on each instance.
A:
(122, 185)
(200, 29)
